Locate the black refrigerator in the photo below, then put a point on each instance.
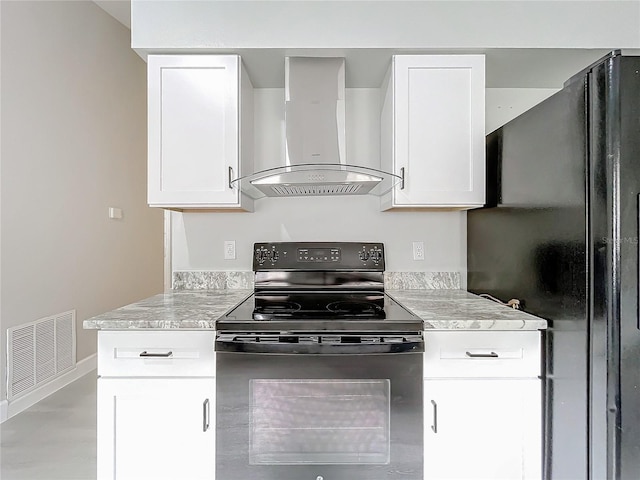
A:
(560, 232)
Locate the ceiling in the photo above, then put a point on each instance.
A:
(118, 9)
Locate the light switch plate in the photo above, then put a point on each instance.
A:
(115, 213)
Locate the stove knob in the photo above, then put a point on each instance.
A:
(262, 255)
(376, 255)
(364, 255)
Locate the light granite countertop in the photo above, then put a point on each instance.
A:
(199, 309)
(189, 309)
(461, 310)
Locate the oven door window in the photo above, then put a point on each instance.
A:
(307, 422)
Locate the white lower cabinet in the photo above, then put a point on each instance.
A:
(482, 429)
(156, 428)
(156, 405)
(483, 406)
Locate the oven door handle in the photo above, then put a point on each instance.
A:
(406, 347)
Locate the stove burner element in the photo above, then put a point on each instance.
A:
(318, 305)
(354, 308)
(269, 309)
(278, 307)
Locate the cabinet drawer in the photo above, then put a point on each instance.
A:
(482, 354)
(156, 354)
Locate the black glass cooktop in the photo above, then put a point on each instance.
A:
(319, 311)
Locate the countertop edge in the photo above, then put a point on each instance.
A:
(199, 310)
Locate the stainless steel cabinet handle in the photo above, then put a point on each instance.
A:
(161, 355)
(482, 355)
(230, 177)
(402, 181)
(205, 415)
(434, 425)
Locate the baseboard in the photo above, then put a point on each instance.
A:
(84, 366)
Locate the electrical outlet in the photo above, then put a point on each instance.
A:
(229, 249)
(418, 250)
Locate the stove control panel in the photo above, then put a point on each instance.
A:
(318, 256)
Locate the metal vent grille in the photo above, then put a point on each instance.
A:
(40, 351)
(302, 190)
(45, 350)
(21, 354)
(65, 341)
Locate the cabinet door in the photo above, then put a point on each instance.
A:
(194, 123)
(482, 429)
(438, 130)
(156, 428)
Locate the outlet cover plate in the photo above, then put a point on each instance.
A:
(418, 250)
(229, 249)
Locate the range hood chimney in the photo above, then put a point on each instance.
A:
(314, 110)
(315, 162)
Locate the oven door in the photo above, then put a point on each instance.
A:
(341, 411)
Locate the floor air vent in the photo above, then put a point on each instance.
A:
(40, 351)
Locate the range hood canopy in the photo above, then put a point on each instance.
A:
(315, 139)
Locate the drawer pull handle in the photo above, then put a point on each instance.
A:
(156, 355)
(205, 415)
(482, 355)
(434, 425)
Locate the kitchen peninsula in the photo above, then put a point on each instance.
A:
(157, 381)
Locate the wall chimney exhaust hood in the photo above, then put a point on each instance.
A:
(315, 162)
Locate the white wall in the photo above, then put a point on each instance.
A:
(198, 237)
(504, 104)
(73, 119)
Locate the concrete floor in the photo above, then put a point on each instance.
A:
(55, 439)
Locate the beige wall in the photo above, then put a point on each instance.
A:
(73, 118)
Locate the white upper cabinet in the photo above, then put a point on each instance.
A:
(432, 131)
(200, 131)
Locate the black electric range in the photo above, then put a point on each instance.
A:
(319, 373)
(319, 287)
